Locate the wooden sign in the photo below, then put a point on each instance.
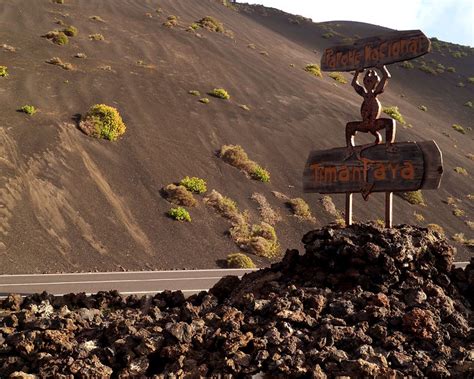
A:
(406, 166)
(375, 51)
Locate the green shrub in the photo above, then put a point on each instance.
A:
(394, 113)
(407, 65)
(423, 108)
(225, 206)
(57, 37)
(456, 54)
(451, 69)
(471, 79)
(313, 69)
(70, 31)
(259, 173)
(204, 100)
(28, 109)
(468, 104)
(58, 62)
(461, 170)
(413, 197)
(239, 260)
(96, 18)
(96, 37)
(194, 184)
(419, 217)
(429, 70)
(194, 92)
(194, 26)
(244, 107)
(3, 71)
(103, 121)
(179, 214)
(179, 195)
(328, 35)
(301, 209)
(436, 228)
(220, 93)
(458, 212)
(459, 128)
(263, 241)
(212, 24)
(338, 77)
(171, 21)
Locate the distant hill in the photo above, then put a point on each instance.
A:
(69, 202)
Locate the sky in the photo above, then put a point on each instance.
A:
(448, 20)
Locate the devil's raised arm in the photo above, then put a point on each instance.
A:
(355, 83)
(383, 83)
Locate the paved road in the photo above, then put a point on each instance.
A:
(138, 282)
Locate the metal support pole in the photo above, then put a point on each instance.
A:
(388, 209)
(348, 213)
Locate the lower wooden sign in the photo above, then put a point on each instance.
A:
(405, 166)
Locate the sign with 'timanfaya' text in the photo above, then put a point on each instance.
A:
(408, 166)
(370, 52)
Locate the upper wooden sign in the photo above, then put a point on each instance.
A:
(375, 51)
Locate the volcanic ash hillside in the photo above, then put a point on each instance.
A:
(362, 302)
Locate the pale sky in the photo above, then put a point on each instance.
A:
(448, 20)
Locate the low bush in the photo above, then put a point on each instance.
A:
(171, 21)
(429, 70)
(3, 71)
(262, 241)
(456, 54)
(179, 195)
(461, 85)
(194, 184)
(407, 65)
(96, 18)
(459, 237)
(459, 128)
(28, 109)
(259, 173)
(225, 206)
(70, 31)
(57, 37)
(451, 69)
(313, 69)
(329, 206)
(179, 214)
(220, 93)
(300, 209)
(461, 170)
(251, 46)
(244, 107)
(194, 92)
(423, 108)
(436, 228)
(413, 197)
(212, 24)
(263, 52)
(194, 26)
(394, 113)
(458, 212)
(80, 55)
(58, 62)
(419, 217)
(236, 156)
(239, 260)
(58, 1)
(96, 37)
(328, 35)
(468, 104)
(470, 80)
(103, 121)
(267, 213)
(204, 100)
(338, 77)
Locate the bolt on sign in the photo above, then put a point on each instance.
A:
(381, 166)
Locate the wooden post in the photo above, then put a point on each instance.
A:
(348, 213)
(388, 209)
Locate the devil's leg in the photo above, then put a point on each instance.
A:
(351, 130)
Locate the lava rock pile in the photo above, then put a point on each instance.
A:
(361, 302)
